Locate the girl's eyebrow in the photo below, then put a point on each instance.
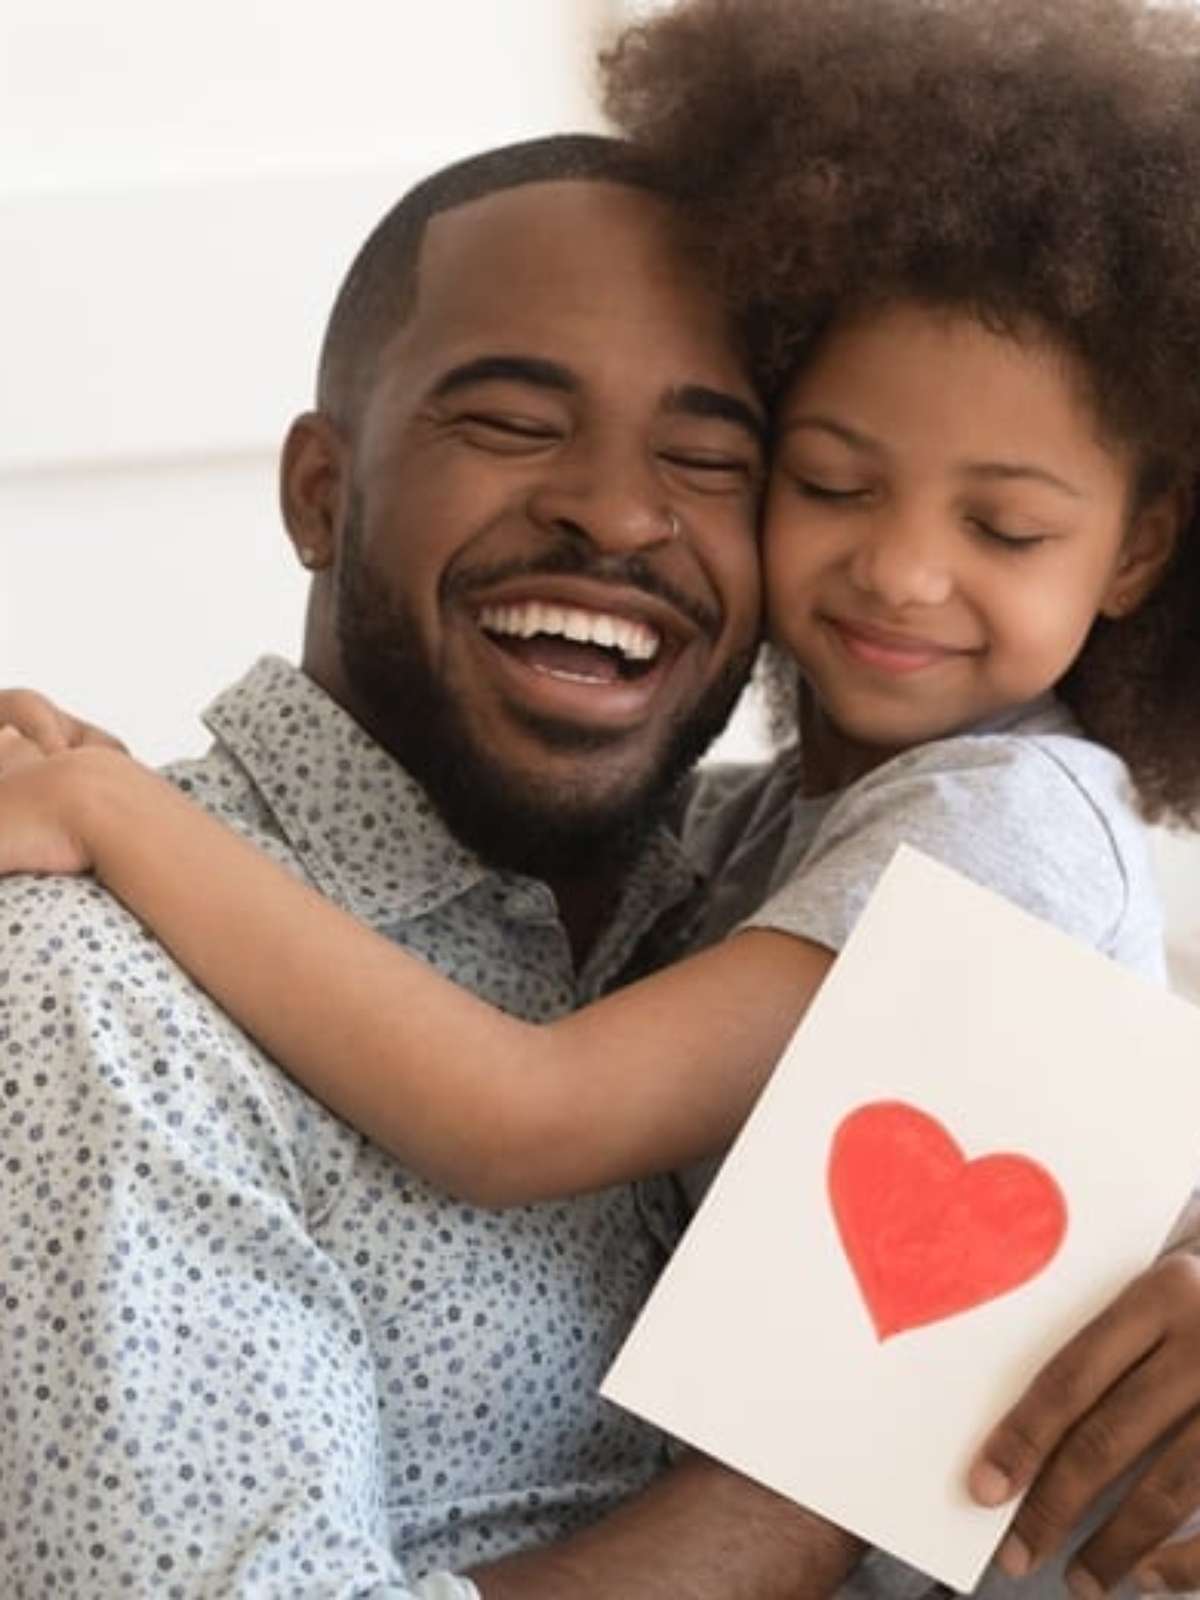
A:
(994, 470)
(1023, 469)
(839, 430)
(831, 424)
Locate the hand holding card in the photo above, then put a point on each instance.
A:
(943, 1182)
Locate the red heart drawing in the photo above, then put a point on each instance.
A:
(927, 1232)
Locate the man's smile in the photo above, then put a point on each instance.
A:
(594, 652)
(625, 646)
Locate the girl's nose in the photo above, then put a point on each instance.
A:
(902, 562)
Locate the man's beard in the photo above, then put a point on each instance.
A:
(550, 829)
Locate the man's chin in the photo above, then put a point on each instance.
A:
(570, 823)
(566, 800)
(548, 798)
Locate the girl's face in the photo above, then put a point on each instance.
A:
(944, 523)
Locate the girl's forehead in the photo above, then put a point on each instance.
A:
(906, 361)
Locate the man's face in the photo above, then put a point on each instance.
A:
(546, 587)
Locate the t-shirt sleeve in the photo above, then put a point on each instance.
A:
(1002, 810)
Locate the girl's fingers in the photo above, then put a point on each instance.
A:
(37, 718)
(17, 751)
(50, 728)
(87, 733)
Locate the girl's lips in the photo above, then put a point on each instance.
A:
(890, 652)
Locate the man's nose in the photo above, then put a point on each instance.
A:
(615, 500)
(901, 560)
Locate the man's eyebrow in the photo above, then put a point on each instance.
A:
(1001, 471)
(695, 400)
(533, 370)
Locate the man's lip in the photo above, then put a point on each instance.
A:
(591, 594)
(616, 706)
(891, 649)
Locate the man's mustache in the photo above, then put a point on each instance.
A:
(571, 560)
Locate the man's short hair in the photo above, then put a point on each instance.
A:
(380, 290)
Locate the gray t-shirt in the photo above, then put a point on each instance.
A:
(1026, 806)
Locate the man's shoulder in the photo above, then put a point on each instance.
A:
(97, 1018)
(726, 803)
(722, 777)
(83, 983)
(220, 783)
(48, 921)
(56, 927)
(75, 916)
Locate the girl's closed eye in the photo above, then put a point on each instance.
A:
(1008, 538)
(829, 493)
(823, 471)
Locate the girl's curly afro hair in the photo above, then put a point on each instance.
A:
(1031, 161)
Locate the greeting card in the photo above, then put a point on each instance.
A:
(980, 1132)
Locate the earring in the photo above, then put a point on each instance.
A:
(308, 557)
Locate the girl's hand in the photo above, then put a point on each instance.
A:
(36, 834)
(1128, 1381)
(47, 725)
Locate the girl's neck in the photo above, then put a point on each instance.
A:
(830, 760)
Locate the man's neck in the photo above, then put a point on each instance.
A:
(585, 906)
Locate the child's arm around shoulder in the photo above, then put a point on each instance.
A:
(494, 1109)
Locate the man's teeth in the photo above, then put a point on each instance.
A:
(634, 640)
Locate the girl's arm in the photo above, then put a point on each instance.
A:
(493, 1109)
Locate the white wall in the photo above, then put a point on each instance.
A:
(181, 189)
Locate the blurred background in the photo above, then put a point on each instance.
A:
(181, 189)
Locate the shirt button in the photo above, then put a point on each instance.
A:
(530, 903)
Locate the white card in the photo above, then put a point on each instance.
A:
(810, 1330)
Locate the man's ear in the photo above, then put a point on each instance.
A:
(1148, 546)
(312, 485)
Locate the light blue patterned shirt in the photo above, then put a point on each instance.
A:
(244, 1353)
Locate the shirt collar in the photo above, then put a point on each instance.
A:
(367, 833)
(654, 920)
(1046, 714)
(363, 829)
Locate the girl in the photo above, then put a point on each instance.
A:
(982, 565)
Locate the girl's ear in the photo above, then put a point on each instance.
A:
(1147, 549)
(311, 482)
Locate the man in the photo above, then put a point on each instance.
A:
(243, 1352)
